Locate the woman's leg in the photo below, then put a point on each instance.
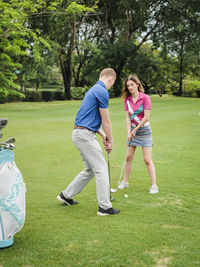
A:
(128, 163)
(149, 163)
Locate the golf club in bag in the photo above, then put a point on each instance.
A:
(12, 192)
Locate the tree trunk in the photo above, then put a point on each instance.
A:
(65, 70)
(77, 76)
(118, 82)
(68, 71)
(180, 91)
(37, 85)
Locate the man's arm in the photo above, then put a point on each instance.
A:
(106, 123)
(107, 127)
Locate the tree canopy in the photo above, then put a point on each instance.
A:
(157, 40)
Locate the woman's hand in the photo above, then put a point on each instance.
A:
(129, 136)
(133, 133)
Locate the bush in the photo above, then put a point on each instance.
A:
(14, 95)
(48, 95)
(59, 95)
(32, 96)
(3, 95)
(198, 92)
(78, 92)
(48, 87)
(190, 88)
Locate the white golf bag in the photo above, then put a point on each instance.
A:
(12, 198)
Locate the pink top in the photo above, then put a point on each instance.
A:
(136, 110)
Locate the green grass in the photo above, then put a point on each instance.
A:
(151, 230)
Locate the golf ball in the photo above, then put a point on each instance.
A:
(126, 195)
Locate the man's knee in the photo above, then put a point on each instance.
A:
(88, 172)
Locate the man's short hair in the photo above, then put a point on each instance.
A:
(108, 72)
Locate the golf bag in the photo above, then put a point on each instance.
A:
(12, 197)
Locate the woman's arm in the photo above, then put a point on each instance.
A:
(145, 119)
(128, 125)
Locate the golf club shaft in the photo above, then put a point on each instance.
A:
(111, 198)
(124, 164)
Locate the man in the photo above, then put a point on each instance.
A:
(93, 113)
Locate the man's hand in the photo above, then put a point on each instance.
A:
(107, 145)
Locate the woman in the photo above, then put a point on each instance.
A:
(137, 106)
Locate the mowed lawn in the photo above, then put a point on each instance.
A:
(151, 230)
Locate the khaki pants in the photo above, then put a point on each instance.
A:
(95, 165)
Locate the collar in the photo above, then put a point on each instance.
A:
(139, 97)
(101, 83)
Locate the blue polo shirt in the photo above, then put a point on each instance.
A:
(88, 114)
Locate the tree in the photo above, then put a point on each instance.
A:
(124, 26)
(62, 27)
(16, 36)
(39, 66)
(181, 38)
(151, 67)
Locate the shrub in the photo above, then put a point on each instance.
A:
(48, 95)
(48, 87)
(190, 88)
(198, 92)
(78, 92)
(59, 95)
(14, 95)
(3, 95)
(32, 96)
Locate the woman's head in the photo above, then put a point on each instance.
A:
(130, 81)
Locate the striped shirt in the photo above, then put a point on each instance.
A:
(136, 110)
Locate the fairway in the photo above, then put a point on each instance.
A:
(151, 230)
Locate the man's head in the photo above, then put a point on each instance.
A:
(108, 76)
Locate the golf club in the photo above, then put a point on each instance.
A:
(111, 197)
(10, 140)
(7, 146)
(113, 190)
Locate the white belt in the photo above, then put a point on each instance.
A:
(146, 124)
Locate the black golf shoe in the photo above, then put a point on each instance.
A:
(110, 211)
(67, 201)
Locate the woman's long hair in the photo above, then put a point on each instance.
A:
(125, 91)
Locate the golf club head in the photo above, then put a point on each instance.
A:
(7, 146)
(2, 144)
(112, 198)
(10, 140)
(11, 146)
(113, 190)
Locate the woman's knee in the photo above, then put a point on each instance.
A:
(147, 161)
(129, 158)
